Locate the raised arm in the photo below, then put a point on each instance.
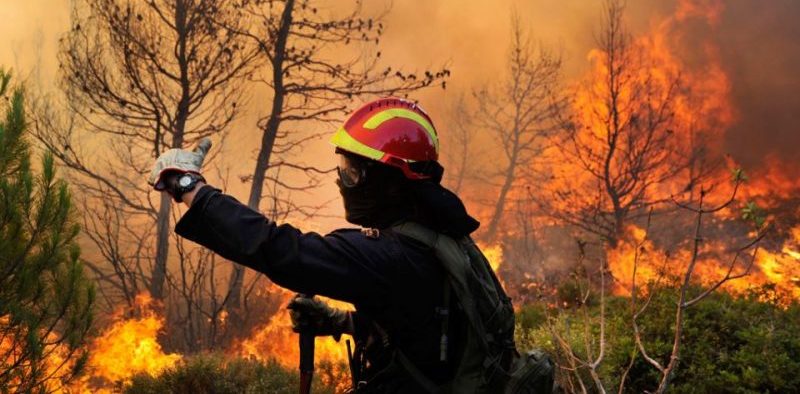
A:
(343, 265)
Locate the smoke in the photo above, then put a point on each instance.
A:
(760, 46)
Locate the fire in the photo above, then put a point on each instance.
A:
(127, 347)
(635, 252)
(701, 110)
(130, 346)
(56, 363)
(655, 79)
(775, 181)
(781, 268)
(493, 253)
(275, 340)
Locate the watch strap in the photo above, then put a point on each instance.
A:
(178, 190)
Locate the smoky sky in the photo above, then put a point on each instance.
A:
(760, 46)
(758, 42)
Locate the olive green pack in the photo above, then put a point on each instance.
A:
(490, 362)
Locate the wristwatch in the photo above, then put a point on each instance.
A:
(184, 184)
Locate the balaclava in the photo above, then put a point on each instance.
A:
(387, 197)
(379, 202)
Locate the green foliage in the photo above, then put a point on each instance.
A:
(754, 214)
(530, 316)
(738, 175)
(220, 375)
(731, 344)
(45, 300)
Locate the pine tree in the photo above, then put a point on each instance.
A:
(45, 299)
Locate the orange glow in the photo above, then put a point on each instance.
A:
(130, 346)
(706, 109)
(55, 364)
(775, 181)
(654, 80)
(493, 253)
(633, 252)
(125, 348)
(702, 112)
(779, 268)
(275, 340)
(783, 268)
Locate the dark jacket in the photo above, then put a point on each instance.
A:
(392, 280)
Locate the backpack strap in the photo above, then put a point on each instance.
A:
(444, 314)
(457, 264)
(418, 232)
(489, 344)
(415, 373)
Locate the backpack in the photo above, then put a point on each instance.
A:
(490, 362)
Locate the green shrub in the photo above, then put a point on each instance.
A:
(730, 344)
(220, 375)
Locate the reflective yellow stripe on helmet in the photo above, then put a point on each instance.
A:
(345, 141)
(377, 119)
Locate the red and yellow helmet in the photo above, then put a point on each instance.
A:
(393, 131)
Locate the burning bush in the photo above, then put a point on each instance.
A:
(129, 346)
(275, 342)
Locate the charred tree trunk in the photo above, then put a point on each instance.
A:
(499, 208)
(162, 248)
(182, 115)
(270, 133)
(520, 114)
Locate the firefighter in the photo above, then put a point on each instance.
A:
(387, 174)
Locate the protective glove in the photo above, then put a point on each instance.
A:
(312, 314)
(177, 161)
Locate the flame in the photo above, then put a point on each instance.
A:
(700, 110)
(703, 111)
(130, 346)
(127, 347)
(56, 365)
(634, 252)
(493, 253)
(275, 340)
(781, 269)
(774, 182)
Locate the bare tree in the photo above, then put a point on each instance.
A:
(143, 77)
(622, 141)
(462, 133)
(588, 359)
(308, 85)
(521, 114)
(576, 360)
(736, 268)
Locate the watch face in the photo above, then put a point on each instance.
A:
(185, 180)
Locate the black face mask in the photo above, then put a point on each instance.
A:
(383, 197)
(375, 203)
